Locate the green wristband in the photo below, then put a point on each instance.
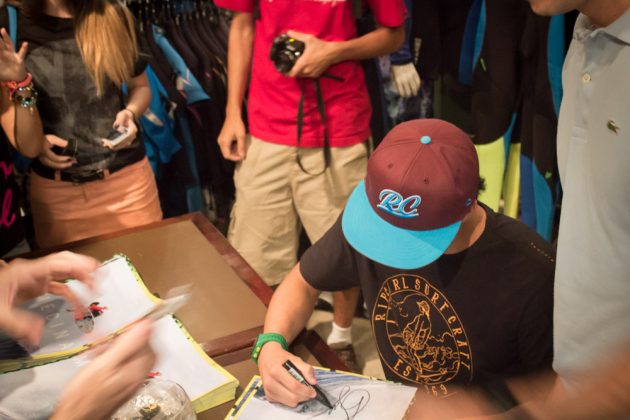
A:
(264, 339)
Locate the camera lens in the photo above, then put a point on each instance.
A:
(285, 52)
(284, 61)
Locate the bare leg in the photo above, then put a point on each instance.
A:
(340, 338)
(344, 306)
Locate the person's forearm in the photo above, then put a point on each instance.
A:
(27, 136)
(139, 97)
(240, 46)
(291, 306)
(604, 394)
(381, 41)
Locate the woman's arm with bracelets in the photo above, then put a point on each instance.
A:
(18, 114)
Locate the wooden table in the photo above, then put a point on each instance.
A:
(227, 308)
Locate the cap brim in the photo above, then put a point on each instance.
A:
(387, 244)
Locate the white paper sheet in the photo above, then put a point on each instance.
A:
(179, 361)
(353, 398)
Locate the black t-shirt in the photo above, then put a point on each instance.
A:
(470, 318)
(11, 228)
(67, 103)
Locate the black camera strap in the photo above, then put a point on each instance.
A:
(322, 115)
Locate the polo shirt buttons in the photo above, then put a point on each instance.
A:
(586, 77)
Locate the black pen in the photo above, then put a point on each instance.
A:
(295, 372)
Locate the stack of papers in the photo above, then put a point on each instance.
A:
(29, 387)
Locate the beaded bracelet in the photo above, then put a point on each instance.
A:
(22, 93)
(26, 96)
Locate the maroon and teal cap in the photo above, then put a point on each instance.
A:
(421, 181)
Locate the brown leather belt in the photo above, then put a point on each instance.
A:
(78, 178)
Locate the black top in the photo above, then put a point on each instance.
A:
(474, 317)
(495, 90)
(67, 102)
(11, 228)
(440, 25)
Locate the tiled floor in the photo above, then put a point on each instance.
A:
(364, 347)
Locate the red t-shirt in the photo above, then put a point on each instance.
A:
(274, 97)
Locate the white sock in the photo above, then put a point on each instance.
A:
(339, 336)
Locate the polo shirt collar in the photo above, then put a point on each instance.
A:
(619, 29)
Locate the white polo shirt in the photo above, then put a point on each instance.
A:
(592, 285)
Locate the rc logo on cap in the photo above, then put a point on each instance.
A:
(394, 203)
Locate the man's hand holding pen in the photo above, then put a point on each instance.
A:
(280, 385)
(297, 374)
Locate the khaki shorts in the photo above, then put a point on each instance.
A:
(274, 198)
(63, 212)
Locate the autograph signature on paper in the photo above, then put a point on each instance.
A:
(353, 397)
(349, 403)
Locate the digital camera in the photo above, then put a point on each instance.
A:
(285, 51)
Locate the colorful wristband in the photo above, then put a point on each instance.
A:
(22, 93)
(264, 339)
(13, 85)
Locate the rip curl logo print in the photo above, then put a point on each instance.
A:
(394, 203)
(421, 337)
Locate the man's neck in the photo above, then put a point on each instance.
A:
(57, 8)
(604, 12)
(471, 229)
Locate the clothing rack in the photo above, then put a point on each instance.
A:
(172, 8)
(187, 45)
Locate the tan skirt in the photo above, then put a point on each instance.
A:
(64, 212)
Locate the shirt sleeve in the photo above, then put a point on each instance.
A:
(403, 55)
(330, 264)
(390, 13)
(245, 6)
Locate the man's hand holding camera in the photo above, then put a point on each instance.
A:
(318, 55)
(294, 54)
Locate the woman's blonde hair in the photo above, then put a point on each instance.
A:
(105, 33)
